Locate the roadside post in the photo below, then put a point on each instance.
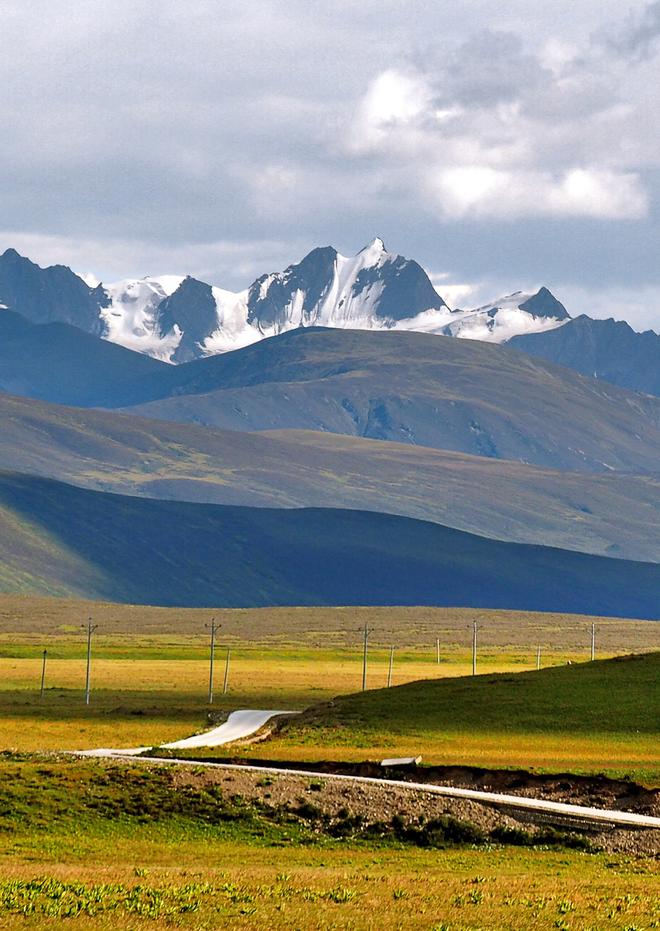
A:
(593, 642)
(538, 656)
(474, 648)
(389, 671)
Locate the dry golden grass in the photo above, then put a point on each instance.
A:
(35, 619)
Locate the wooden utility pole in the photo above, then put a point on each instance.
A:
(389, 671)
(366, 633)
(214, 629)
(474, 648)
(538, 656)
(90, 630)
(43, 673)
(437, 650)
(593, 642)
(225, 684)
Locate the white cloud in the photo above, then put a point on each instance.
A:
(392, 101)
(479, 191)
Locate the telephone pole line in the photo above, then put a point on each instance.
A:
(90, 630)
(214, 629)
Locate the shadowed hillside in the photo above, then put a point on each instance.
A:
(58, 539)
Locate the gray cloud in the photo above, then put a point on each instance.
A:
(224, 139)
(638, 38)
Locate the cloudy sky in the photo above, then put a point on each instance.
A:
(503, 145)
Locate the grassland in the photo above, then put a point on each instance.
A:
(91, 846)
(150, 680)
(86, 844)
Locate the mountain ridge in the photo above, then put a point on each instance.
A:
(373, 289)
(605, 513)
(465, 396)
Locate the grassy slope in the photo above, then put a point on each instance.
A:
(583, 717)
(58, 538)
(131, 852)
(608, 514)
(423, 390)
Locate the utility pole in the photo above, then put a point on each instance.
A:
(43, 673)
(389, 671)
(214, 629)
(593, 642)
(437, 650)
(538, 656)
(474, 648)
(225, 684)
(366, 632)
(90, 630)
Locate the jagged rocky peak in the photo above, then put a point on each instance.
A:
(545, 304)
(46, 295)
(192, 311)
(374, 287)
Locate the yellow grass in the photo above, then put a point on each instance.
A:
(150, 676)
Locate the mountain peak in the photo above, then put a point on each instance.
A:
(376, 245)
(12, 255)
(545, 304)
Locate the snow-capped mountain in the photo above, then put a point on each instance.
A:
(514, 315)
(177, 319)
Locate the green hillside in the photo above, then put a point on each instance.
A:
(585, 717)
(602, 513)
(620, 695)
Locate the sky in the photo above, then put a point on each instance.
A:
(503, 145)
